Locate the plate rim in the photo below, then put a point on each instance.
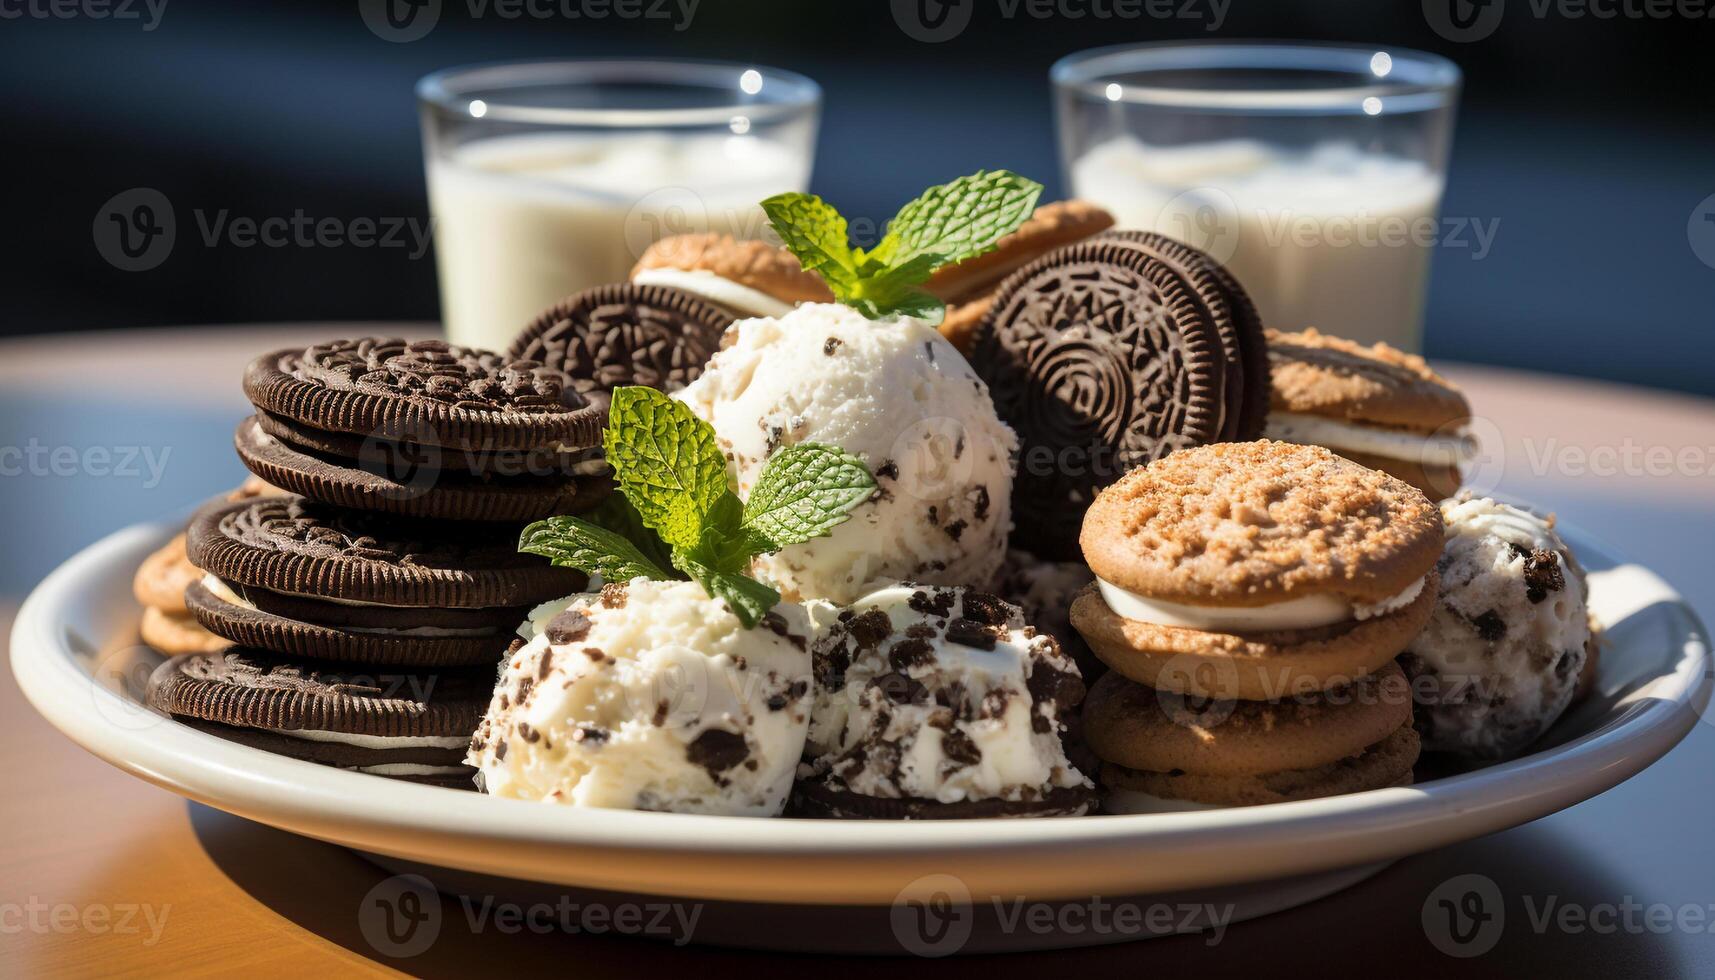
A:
(854, 862)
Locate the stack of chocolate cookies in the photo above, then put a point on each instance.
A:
(1250, 599)
(370, 604)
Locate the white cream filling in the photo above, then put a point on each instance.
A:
(377, 741)
(1456, 449)
(411, 769)
(1305, 612)
(1137, 801)
(224, 593)
(723, 292)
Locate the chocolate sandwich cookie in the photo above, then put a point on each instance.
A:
(968, 287)
(1162, 752)
(307, 580)
(1102, 356)
(407, 725)
(1374, 405)
(423, 429)
(1235, 317)
(624, 334)
(743, 278)
(1256, 570)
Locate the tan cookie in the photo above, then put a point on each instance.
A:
(254, 486)
(161, 580)
(1252, 666)
(1141, 728)
(178, 633)
(1437, 480)
(1379, 766)
(1243, 525)
(1374, 405)
(753, 264)
(1316, 374)
(968, 287)
(1051, 226)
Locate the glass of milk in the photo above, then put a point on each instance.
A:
(546, 178)
(1313, 171)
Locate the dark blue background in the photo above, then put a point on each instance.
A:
(1590, 140)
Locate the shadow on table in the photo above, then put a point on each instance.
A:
(1395, 921)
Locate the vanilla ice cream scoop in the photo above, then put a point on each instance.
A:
(651, 696)
(894, 393)
(943, 695)
(1500, 658)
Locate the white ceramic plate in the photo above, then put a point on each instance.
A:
(75, 653)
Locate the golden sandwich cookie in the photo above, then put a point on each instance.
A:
(1256, 570)
(1374, 405)
(969, 287)
(745, 278)
(1163, 751)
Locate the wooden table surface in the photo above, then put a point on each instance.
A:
(103, 874)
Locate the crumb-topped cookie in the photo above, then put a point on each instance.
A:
(1376, 405)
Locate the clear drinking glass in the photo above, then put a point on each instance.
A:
(1313, 171)
(550, 177)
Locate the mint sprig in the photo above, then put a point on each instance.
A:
(676, 517)
(945, 224)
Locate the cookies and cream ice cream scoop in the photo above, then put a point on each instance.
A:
(939, 702)
(897, 395)
(1501, 656)
(651, 695)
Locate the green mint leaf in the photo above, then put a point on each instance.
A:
(946, 224)
(748, 599)
(806, 491)
(812, 230)
(665, 461)
(894, 290)
(616, 514)
(725, 544)
(576, 543)
(959, 220)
